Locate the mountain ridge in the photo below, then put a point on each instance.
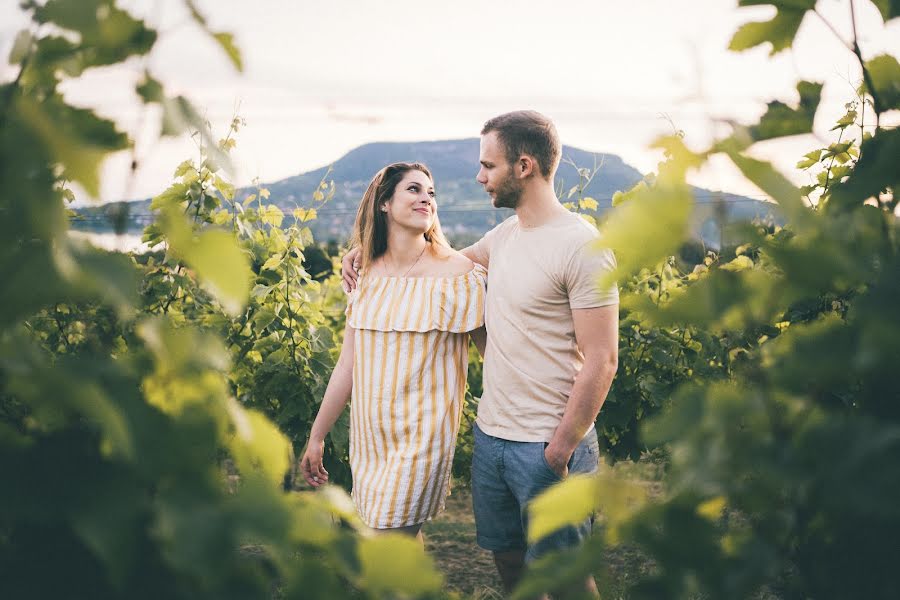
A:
(465, 210)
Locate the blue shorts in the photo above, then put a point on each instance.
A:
(506, 476)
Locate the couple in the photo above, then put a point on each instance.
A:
(550, 347)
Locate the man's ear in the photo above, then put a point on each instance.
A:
(525, 167)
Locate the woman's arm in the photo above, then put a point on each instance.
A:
(336, 396)
(479, 336)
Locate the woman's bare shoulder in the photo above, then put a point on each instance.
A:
(449, 263)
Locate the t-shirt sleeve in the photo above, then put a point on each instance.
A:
(481, 250)
(586, 267)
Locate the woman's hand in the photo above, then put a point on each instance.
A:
(311, 464)
(350, 270)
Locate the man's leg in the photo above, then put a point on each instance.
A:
(528, 475)
(497, 513)
(510, 565)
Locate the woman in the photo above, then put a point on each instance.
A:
(405, 355)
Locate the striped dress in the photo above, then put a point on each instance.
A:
(409, 382)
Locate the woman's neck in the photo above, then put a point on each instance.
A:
(404, 247)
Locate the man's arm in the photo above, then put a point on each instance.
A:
(471, 253)
(350, 264)
(597, 335)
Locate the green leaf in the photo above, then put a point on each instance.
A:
(108, 34)
(273, 262)
(780, 120)
(76, 138)
(779, 32)
(107, 275)
(214, 255)
(149, 89)
(776, 185)
(195, 13)
(679, 159)
(305, 214)
(890, 9)
(226, 41)
(21, 47)
(885, 73)
(567, 503)
(223, 267)
(620, 197)
(738, 264)
(875, 170)
(646, 229)
(184, 168)
(615, 495)
(272, 215)
(175, 195)
(846, 121)
(397, 564)
(257, 445)
(811, 158)
(588, 204)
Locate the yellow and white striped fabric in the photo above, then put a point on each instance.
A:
(409, 382)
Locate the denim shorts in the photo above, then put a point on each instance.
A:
(506, 476)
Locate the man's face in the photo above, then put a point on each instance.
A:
(496, 174)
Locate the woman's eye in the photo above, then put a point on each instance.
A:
(432, 194)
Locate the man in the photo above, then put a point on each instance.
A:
(552, 342)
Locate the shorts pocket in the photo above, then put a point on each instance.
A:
(543, 446)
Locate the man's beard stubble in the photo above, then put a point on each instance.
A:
(508, 193)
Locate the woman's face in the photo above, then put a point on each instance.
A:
(412, 206)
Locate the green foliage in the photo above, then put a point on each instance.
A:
(781, 120)
(889, 9)
(781, 478)
(136, 454)
(281, 338)
(779, 31)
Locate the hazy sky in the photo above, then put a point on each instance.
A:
(324, 77)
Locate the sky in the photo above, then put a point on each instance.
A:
(322, 78)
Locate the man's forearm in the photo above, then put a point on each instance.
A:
(588, 394)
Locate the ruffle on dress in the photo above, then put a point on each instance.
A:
(453, 304)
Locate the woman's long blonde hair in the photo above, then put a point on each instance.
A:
(370, 233)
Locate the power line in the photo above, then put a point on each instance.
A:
(456, 208)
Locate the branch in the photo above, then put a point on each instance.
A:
(867, 77)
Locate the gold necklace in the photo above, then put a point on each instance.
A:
(415, 262)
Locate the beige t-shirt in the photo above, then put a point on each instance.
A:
(536, 276)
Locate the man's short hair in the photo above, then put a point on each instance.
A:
(528, 132)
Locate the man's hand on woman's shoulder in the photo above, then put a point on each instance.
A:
(350, 270)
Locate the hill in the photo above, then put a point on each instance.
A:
(464, 208)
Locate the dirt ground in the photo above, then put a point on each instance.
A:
(450, 539)
(469, 570)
